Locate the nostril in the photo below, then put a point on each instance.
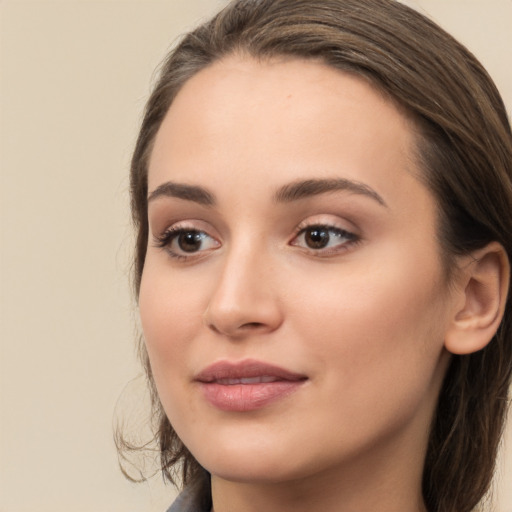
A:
(251, 325)
(247, 326)
(213, 328)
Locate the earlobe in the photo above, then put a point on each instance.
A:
(482, 296)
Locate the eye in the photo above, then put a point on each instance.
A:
(324, 239)
(186, 242)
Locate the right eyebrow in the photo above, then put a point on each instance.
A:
(313, 187)
(183, 191)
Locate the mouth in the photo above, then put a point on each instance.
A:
(247, 385)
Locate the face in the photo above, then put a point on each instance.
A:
(292, 299)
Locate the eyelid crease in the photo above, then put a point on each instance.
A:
(173, 231)
(328, 221)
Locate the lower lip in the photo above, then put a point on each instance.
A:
(247, 397)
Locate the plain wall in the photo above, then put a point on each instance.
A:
(74, 76)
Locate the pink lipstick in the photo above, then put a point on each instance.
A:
(246, 385)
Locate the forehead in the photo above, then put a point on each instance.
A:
(278, 120)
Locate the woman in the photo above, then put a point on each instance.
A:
(322, 194)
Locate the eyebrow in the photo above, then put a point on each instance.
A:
(308, 188)
(286, 194)
(182, 191)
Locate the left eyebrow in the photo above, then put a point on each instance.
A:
(313, 187)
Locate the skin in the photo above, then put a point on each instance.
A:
(365, 319)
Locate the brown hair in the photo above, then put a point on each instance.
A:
(465, 151)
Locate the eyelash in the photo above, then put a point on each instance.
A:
(351, 238)
(165, 240)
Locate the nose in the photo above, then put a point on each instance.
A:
(245, 299)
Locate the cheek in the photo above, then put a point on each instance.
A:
(376, 336)
(171, 315)
(171, 303)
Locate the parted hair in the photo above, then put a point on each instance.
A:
(464, 150)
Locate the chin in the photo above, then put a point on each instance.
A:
(251, 460)
(254, 471)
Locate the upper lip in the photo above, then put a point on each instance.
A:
(246, 369)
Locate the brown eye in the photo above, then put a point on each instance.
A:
(190, 241)
(317, 237)
(324, 240)
(184, 243)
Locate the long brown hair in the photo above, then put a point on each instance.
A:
(465, 151)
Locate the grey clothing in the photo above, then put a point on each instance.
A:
(185, 502)
(194, 498)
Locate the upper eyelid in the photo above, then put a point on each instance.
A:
(174, 230)
(350, 233)
(186, 224)
(328, 227)
(338, 222)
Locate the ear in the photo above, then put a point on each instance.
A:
(480, 300)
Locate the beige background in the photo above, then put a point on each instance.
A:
(74, 78)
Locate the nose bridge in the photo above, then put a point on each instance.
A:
(245, 297)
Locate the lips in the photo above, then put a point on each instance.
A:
(246, 385)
